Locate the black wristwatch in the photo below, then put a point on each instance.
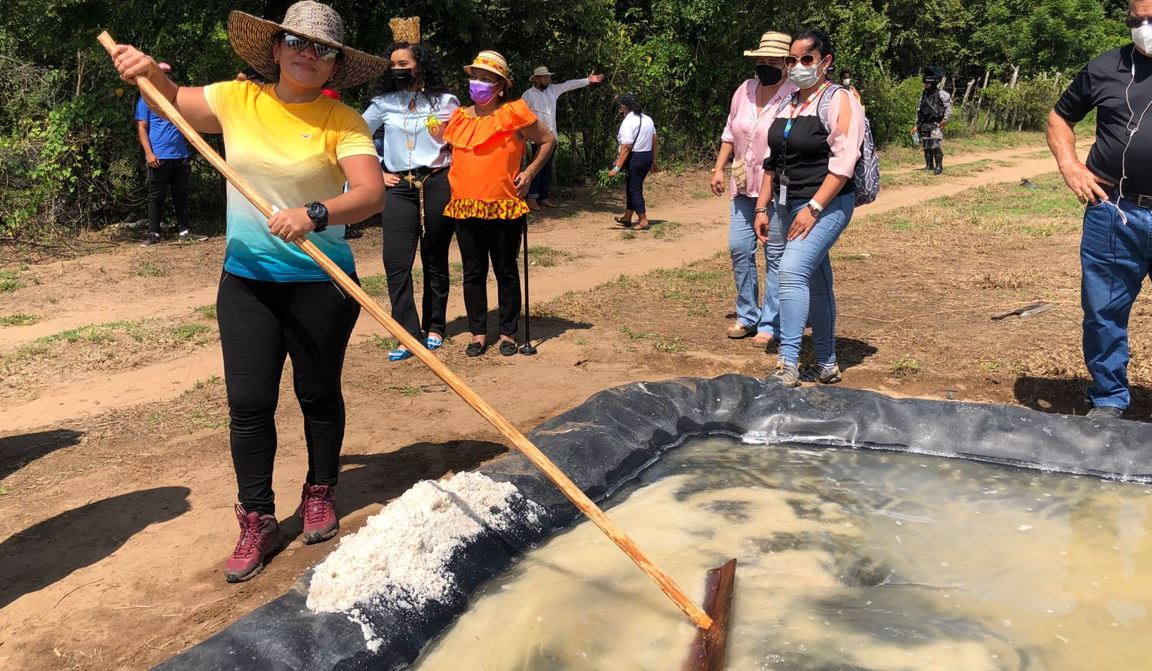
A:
(319, 216)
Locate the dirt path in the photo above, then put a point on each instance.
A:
(115, 488)
(190, 282)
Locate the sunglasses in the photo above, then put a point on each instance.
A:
(1136, 22)
(323, 51)
(805, 60)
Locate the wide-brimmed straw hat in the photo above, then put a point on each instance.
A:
(772, 45)
(252, 36)
(542, 71)
(490, 61)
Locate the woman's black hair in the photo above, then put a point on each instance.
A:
(630, 101)
(428, 64)
(820, 41)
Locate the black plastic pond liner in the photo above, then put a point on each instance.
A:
(607, 441)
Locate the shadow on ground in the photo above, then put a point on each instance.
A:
(18, 451)
(1067, 396)
(51, 550)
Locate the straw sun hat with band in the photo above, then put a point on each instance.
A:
(772, 45)
(252, 39)
(490, 61)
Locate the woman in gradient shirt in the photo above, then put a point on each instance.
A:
(297, 148)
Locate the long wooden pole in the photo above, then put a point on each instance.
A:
(518, 439)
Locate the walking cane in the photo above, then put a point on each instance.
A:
(528, 348)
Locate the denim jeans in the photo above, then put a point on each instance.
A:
(541, 186)
(1114, 260)
(806, 294)
(742, 246)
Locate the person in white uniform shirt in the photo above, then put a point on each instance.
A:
(541, 99)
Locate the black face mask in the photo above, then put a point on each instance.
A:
(542, 86)
(402, 76)
(769, 75)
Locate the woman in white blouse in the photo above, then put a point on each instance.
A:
(413, 108)
(637, 157)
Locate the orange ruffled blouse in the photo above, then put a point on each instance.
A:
(486, 157)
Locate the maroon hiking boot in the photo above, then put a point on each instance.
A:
(259, 538)
(318, 511)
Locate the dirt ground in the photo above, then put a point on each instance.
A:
(115, 479)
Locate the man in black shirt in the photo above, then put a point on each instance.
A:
(1116, 186)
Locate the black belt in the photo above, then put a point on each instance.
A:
(422, 171)
(1138, 199)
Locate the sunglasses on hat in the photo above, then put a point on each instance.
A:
(323, 51)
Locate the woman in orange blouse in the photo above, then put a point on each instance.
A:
(488, 190)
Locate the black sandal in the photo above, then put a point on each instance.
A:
(475, 348)
(508, 348)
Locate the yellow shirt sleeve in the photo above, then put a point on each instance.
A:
(222, 96)
(353, 138)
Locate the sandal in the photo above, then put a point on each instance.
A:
(626, 223)
(508, 348)
(475, 348)
(737, 331)
(400, 354)
(434, 341)
(763, 339)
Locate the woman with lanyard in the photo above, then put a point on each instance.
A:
(413, 109)
(813, 146)
(745, 141)
(637, 137)
(297, 148)
(488, 190)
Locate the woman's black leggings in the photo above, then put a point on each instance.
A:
(260, 323)
(401, 232)
(498, 240)
(637, 166)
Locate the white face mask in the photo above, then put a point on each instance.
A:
(1142, 36)
(805, 76)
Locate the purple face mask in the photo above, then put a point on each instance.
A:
(480, 92)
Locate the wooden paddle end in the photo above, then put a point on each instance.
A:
(708, 649)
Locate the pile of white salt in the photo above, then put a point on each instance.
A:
(402, 553)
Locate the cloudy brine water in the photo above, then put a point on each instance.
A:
(847, 560)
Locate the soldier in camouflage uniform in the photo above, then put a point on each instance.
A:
(932, 115)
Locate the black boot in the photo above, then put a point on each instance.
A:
(928, 156)
(939, 154)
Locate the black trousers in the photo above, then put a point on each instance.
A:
(400, 228)
(636, 166)
(260, 323)
(498, 240)
(173, 174)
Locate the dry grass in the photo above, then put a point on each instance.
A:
(109, 346)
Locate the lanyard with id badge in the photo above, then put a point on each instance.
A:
(783, 180)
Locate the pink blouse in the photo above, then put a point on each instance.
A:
(747, 130)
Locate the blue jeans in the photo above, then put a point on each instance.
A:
(541, 186)
(806, 294)
(1114, 260)
(742, 246)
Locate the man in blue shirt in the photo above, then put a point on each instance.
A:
(169, 166)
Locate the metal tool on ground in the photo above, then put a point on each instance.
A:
(702, 619)
(527, 348)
